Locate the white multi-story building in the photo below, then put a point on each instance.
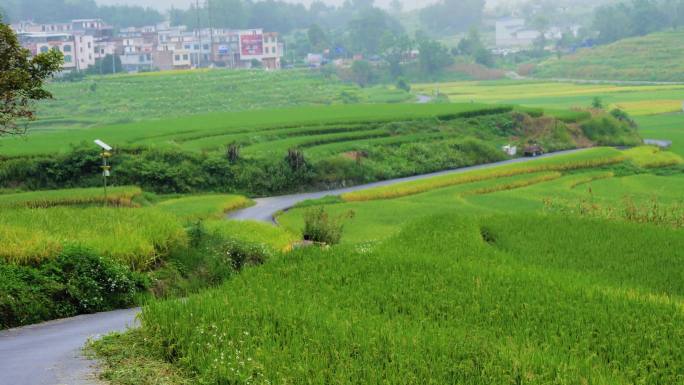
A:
(78, 50)
(163, 47)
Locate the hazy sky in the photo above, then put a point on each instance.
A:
(165, 4)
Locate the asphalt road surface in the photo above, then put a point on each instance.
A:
(50, 353)
(266, 208)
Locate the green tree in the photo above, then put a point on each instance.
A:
(394, 48)
(362, 72)
(367, 30)
(317, 37)
(449, 16)
(470, 44)
(433, 56)
(22, 81)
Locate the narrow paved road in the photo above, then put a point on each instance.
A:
(50, 353)
(265, 208)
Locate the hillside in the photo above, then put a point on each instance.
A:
(98, 100)
(655, 57)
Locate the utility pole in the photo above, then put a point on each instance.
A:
(199, 34)
(211, 32)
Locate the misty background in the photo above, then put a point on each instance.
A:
(164, 5)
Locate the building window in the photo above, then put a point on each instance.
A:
(177, 57)
(89, 45)
(43, 49)
(206, 47)
(67, 48)
(187, 46)
(185, 57)
(196, 47)
(67, 59)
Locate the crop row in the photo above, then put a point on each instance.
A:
(451, 299)
(135, 237)
(117, 196)
(587, 159)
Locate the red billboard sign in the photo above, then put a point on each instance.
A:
(252, 44)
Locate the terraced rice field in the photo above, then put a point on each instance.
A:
(265, 130)
(636, 100)
(474, 283)
(118, 196)
(381, 212)
(126, 98)
(136, 237)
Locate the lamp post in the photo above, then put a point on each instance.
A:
(106, 154)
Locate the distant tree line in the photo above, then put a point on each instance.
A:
(637, 18)
(51, 11)
(451, 16)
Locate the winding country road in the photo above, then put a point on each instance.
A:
(50, 353)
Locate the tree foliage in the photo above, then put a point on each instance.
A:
(22, 81)
(636, 18)
(47, 11)
(448, 16)
(433, 56)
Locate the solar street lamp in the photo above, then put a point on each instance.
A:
(106, 168)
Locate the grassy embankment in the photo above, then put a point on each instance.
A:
(655, 57)
(469, 283)
(252, 152)
(63, 254)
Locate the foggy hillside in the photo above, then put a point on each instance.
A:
(165, 4)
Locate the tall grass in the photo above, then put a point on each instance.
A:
(117, 196)
(135, 237)
(652, 157)
(450, 300)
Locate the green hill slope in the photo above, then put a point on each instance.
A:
(656, 57)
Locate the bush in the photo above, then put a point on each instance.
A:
(607, 130)
(402, 84)
(320, 227)
(77, 281)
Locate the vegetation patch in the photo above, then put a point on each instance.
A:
(586, 159)
(192, 208)
(116, 196)
(652, 157)
(75, 281)
(504, 304)
(137, 238)
(644, 58)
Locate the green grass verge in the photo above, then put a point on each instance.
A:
(451, 299)
(196, 207)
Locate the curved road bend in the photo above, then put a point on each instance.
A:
(50, 353)
(266, 208)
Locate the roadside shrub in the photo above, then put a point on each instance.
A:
(607, 130)
(320, 227)
(78, 281)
